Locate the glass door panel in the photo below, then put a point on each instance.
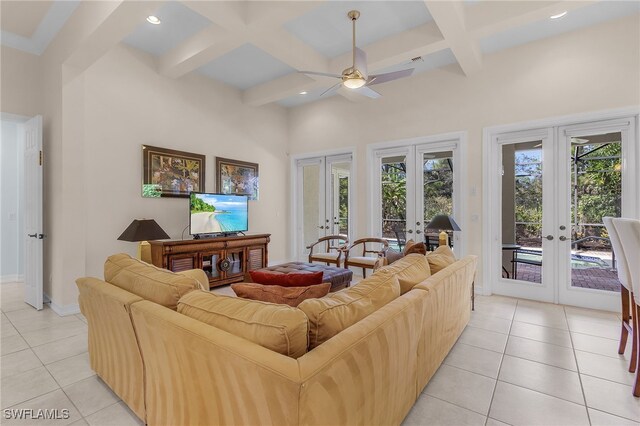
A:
(210, 264)
(393, 207)
(339, 174)
(236, 260)
(436, 177)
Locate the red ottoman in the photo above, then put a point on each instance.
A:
(338, 277)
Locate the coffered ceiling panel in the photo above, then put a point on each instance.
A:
(23, 17)
(178, 24)
(246, 67)
(575, 19)
(328, 30)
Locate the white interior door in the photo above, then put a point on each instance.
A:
(311, 203)
(34, 233)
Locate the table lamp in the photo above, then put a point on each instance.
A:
(143, 230)
(444, 223)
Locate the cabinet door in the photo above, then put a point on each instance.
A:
(236, 259)
(209, 263)
(181, 262)
(256, 258)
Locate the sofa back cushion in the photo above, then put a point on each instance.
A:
(440, 258)
(147, 281)
(335, 312)
(281, 328)
(410, 270)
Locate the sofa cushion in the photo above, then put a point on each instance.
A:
(300, 279)
(147, 281)
(280, 328)
(335, 312)
(291, 296)
(440, 258)
(412, 269)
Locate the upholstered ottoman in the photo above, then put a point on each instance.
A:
(338, 277)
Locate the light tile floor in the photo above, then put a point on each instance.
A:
(518, 362)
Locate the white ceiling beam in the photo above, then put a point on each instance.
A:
(230, 15)
(200, 49)
(117, 20)
(286, 47)
(450, 19)
(489, 18)
(280, 88)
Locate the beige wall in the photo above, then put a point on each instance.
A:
(588, 70)
(21, 86)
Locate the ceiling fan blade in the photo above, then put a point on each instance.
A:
(390, 76)
(361, 62)
(368, 92)
(331, 89)
(324, 74)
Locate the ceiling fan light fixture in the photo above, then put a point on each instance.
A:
(153, 20)
(354, 82)
(559, 15)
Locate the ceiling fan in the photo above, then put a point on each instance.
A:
(355, 77)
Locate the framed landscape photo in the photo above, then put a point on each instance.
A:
(236, 177)
(171, 173)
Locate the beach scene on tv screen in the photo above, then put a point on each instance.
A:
(211, 213)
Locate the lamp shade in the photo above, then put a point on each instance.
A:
(143, 230)
(443, 222)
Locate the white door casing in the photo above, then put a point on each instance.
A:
(34, 233)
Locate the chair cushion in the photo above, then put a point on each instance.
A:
(335, 312)
(147, 281)
(329, 256)
(440, 258)
(291, 296)
(364, 260)
(301, 279)
(412, 269)
(280, 328)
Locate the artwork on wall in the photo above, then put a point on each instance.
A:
(236, 177)
(170, 173)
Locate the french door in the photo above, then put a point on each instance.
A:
(324, 192)
(414, 183)
(549, 189)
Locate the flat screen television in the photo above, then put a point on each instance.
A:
(218, 213)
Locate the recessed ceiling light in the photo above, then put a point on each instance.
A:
(153, 20)
(303, 93)
(559, 15)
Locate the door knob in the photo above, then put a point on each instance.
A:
(549, 237)
(321, 227)
(418, 223)
(418, 231)
(410, 231)
(562, 238)
(562, 227)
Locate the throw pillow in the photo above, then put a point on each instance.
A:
(440, 258)
(291, 296)
(332, 314)
(282, 329)
(410, 271)
(287, 280)
(419, 248)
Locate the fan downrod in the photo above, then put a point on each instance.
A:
(353, 14)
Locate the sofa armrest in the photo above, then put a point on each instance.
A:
(198, 275)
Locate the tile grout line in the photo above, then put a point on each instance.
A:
(495, 386)
(575, 357)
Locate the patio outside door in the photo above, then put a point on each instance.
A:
(324, 199)
(553, 186)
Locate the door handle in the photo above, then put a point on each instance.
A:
(418, 231)
(320, 227)
(410, 231)
(549, 237)
(41, 236)
(562, 238)
(32, 235)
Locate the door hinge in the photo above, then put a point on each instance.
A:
(41, 157)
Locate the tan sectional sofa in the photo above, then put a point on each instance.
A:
(173, 367)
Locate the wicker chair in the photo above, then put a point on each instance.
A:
(366, 262)
(334, 245)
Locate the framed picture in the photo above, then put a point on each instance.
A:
(170, 173)
(236, 177)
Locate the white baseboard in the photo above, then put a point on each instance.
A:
(63, 311)
(11, 278)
